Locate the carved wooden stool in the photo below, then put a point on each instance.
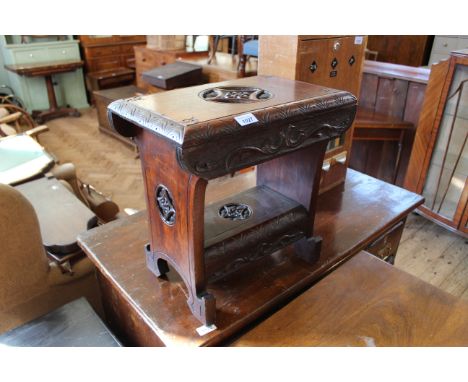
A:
(191, 135)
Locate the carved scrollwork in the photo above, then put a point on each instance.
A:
(165, 205)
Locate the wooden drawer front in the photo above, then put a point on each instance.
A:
(116, 81)
(334, 62)
(31, 56)
(386, 246)
(443, 44)
(69, 53)
(153, 59)
(103, 64)
(103, 51)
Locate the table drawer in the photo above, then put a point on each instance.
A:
(386, 246)
(69, 53)
(30, 56)
(444, 44)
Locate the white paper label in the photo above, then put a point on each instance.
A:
(246, 119)
(358, 40)
(202, 330)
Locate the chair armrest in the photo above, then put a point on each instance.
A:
(11, 117)
(37, 130)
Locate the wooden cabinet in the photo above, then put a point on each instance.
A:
(439, 161)
(403, 50)
(108, 52)
(69, 87)
(331, 61)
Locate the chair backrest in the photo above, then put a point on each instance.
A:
(23, 262)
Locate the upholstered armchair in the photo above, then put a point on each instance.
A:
(30, 285)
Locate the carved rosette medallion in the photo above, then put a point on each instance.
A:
(235, 94)
(235, 211)
(165, 205)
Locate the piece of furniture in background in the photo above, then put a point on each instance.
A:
(332, 61)
(23, 159)
(376, 127)
(224, 68)
(443, 45)
(368, 303)
(167, 42)
(31, 285)
(109, 60)
(371, 55)
(396, 91)
(147, 59)
(73, 324)
(69, 87)
(47, 70)
(108, 52)
(438, 167)
(108, 79)
(62, 217)
(214, 41)
(172, 76)
(247, 47)
(403, 50)
(104, 98)
(365, 213)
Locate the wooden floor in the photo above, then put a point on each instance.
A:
(426, 250)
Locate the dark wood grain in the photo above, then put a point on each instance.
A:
(366, 302)
(150, 311)
(405, 50)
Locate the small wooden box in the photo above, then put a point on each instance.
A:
(172, 76)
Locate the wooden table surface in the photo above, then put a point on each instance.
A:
(154, 311)
(45, 68)
(62, 216)
(366, 302)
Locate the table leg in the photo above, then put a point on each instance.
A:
(54, 110)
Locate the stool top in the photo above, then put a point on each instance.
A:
(273, 114)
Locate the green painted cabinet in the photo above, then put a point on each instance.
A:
(69, 87)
